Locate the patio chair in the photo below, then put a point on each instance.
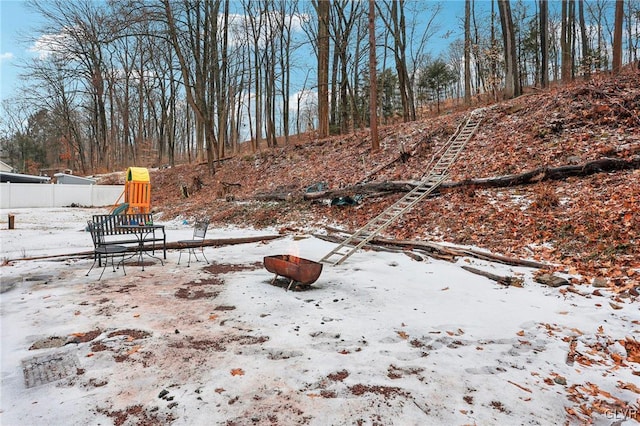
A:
(103, 249)
(199, 232)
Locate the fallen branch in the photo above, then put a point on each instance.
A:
(519, 386)
(374, 247)
(507, 281)
(170, 246)
(542, 174)
(447, 252)
(493, 257)
(539, 174)
(369, 189)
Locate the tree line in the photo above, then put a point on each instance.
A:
(160, 82)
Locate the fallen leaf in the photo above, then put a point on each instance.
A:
(402, 334)
(213, 317)
(629, 386)
(633, 349)
(520, 333)
(133, 350)
(237, 372)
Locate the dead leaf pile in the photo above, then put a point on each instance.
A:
(606, 356)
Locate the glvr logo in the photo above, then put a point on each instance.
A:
(623, 413)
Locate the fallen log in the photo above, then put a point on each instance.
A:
(505, 259)
(448, 252)
(369, 189)
(333, 239)
(507, 281)
(426, 248)
(170, 246)
(539, 174)
(542, 174)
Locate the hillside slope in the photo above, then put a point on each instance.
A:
(589, 226)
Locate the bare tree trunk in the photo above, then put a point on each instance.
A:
(399, 50)
(566, 37)
(222, 85)
(323, 7)
(512, 80)
(633, 14)
(467, 52)
(544, 43)
(586, 52)
(617, 37)
(373, 93)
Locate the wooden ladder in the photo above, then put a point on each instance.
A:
(436, 175)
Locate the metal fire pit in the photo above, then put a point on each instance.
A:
(297, 269)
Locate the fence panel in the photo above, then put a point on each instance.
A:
(22, 195)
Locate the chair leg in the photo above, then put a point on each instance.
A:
(95, 259)
(190, 253)
(189, 250)
(122, 262)
(106, 262)
(205, 257)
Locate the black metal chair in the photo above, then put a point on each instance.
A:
(103, 249)
(199, 233)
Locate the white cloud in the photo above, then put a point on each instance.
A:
(50, 43)
(7, 56)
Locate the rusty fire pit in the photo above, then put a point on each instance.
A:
(297, 269)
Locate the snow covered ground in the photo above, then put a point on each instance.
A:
(381, 339)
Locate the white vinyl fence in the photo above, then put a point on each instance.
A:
(21, 195)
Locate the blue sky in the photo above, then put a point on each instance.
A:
(15, 22)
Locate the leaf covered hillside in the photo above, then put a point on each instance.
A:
(588, 225)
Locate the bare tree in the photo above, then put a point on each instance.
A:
(395, 23)
(84, 29)
(373, 94)
(633, 30)
(193, 40)
(323, 8)
(467, 52)
(568, 17)
(586, 52)
(512, 81)
(617, 37)
(544, 43)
